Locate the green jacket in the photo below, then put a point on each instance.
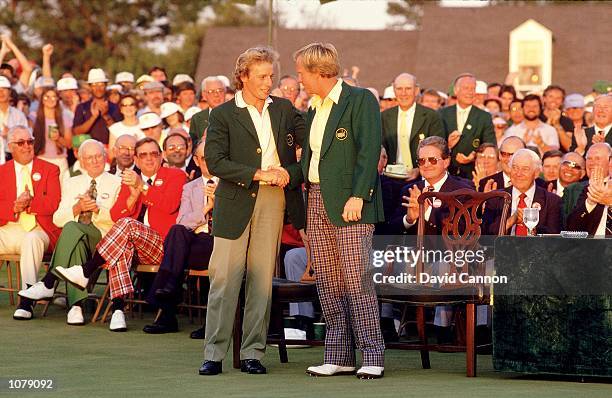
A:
(233, 154)
(426, 123)
(478, 129)
(571, 194)
(349, 156)
(199, 123)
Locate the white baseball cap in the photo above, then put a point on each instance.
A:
(168, 108)
(43, 82)
(181, 78)
(481, 87)
(67, 83)
(122, 77)
(190, 112)
(96, 75)
(149, 119)
(4, 82)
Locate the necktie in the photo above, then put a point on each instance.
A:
(404, 140)
(461, 120)
(85, 217)
(521, 229)
(143, 208)
(207, 225)
(26, 220)
(609, 222)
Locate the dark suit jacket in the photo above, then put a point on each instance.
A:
(589, 132)
(350, 151)
(550, 212)
(199, 123)
(233, 154)
(478, 129)
(570, 198)
(46, 194)
(434, 225)
(580, 219)
(426, 122)
(499, 180)
(192, 166)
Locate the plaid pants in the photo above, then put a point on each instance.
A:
(126, 237)
(349, 303)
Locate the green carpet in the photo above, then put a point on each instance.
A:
(90, 361)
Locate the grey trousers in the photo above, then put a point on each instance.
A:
(255, 251)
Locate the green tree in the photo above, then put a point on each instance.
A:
(411, 12)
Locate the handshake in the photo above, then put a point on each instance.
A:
(275, 175)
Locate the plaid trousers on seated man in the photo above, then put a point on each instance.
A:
(126, 238)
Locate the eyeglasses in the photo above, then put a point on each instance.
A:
(50, 97)
(506, 154)
(128, 104)
(432, 160)
(289, 88)
(216, 91)
(175, 147)
(126, 149)
(572, 165)
(21, 143)
(92, 158)
(485, 156)
(144, 155)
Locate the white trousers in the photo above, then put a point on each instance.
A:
(30, 246)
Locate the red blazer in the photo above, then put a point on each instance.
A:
(163, 200)
(47, 195)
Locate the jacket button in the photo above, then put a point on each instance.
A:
(258, 150)
(253, 195)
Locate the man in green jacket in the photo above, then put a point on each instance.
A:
(213, 90)
(465, 127)
(250, 146)
(339, 164)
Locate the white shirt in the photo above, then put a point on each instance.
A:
(145, 221)
(462, 116)
(507, 181)
(560, 188)
(18, 168)
(107, 186)
(263, 127)
(601, 228)
(409, 115)
(606, 129)
(546, 131)
(119, 128)
(204, 226)
(436, 188)
(516, 197)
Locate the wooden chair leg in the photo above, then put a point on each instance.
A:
(101, 301)
(9, 272)
(470, 335)
(420, 317)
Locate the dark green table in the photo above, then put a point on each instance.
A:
(555, 313)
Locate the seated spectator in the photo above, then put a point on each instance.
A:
(600, 131)
(52, 131)
(145, 210)
(123, 155)
(84, 216)
(593, 210)
(532, 130)
(500, 180)
(189, 244)
(128, 105)
(550, 165)
(433, 160)
(571, 170)
(487, 162)
(176, 148)
(30, 196)
(525, 166)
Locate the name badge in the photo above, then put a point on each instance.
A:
(36, 176)
(469, 126)
(341, 134)
(158, 183)
(105, 196)
(437, 203)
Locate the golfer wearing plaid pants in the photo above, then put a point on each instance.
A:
(339, 163)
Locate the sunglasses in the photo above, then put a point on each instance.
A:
(144, 155)
(432, 160)
(216, 91)
(572, 165)
(175, 147)
(127, 149)
(128, 104)
(21, 143)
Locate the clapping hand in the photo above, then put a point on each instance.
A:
(478, 174)
(581, 138)
(599, 192)
(453, 139)
(23, 201)
(462, 159)
(86, 203)
(597, 138)
(411, 204)
(490, 185)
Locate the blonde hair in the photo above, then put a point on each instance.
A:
(252, 56)
(321, 58)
